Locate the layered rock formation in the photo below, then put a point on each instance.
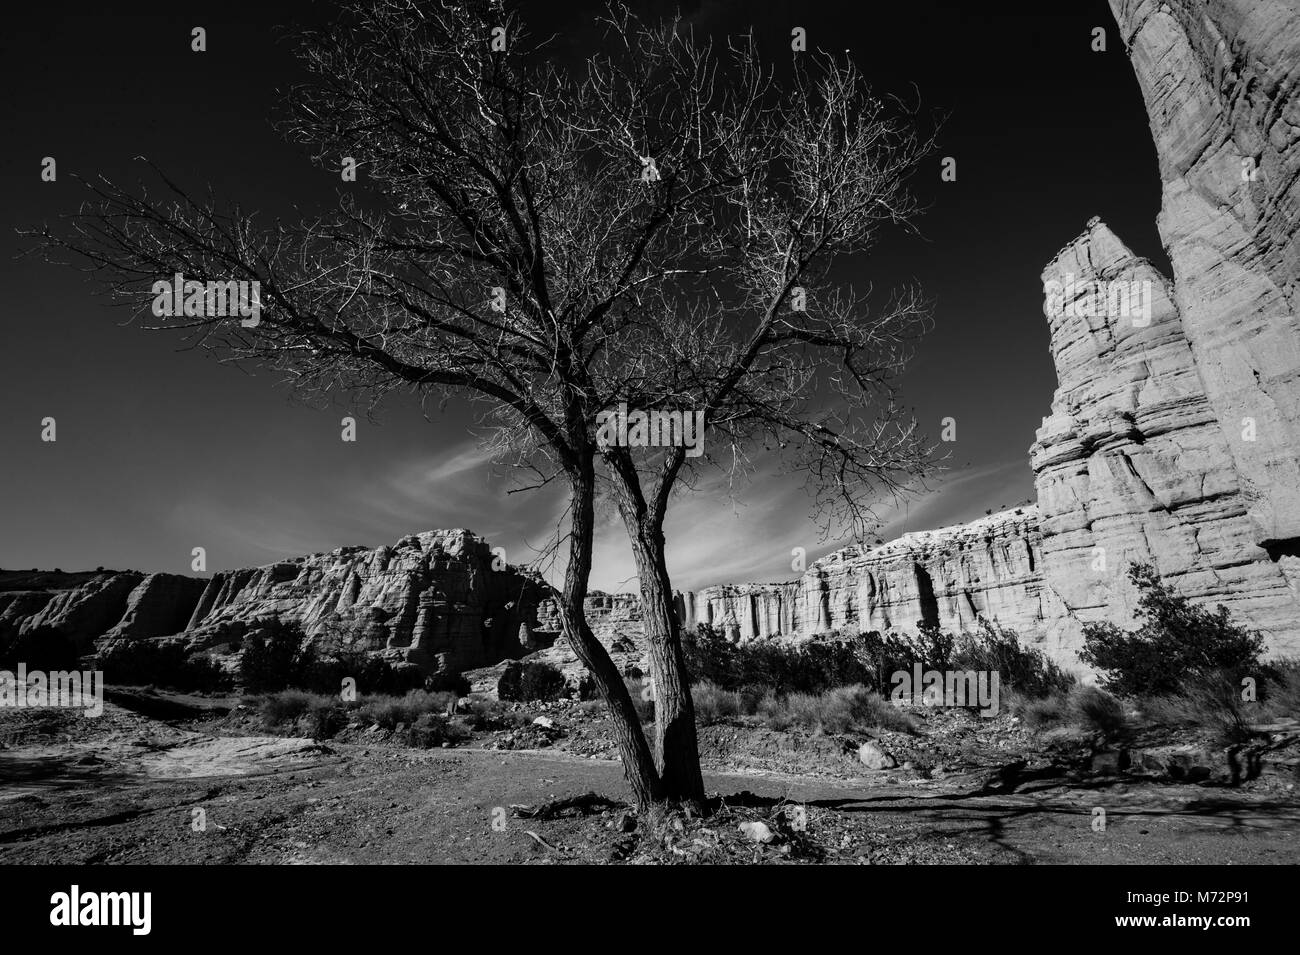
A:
(1173, 435)
(950, 578)
(1133, 463)
(432, 599)
(1221, 83)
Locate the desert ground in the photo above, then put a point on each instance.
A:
(167, 778)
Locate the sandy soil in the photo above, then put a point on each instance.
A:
(127, 789)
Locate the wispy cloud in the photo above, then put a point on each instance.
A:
(714, 534)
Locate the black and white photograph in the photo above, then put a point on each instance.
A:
(632, 432)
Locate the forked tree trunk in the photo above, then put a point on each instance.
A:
(638, 764)
(677, 751)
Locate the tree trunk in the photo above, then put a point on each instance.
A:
(638, 764)
(677, 751)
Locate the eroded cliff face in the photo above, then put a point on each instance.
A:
(1173, 435)
(1221, 83)
(1133, 463)
(432, 599)
(952, 577)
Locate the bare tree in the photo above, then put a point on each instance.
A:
(742, 318)
(551, 243)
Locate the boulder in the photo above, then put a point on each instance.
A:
(873, 757)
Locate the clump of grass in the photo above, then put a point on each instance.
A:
(284, 706)
(1095, 710)
(1210, 704)
(714, 704)
(845, 709)
(849, 709)
(1040, 712)
(1281, 695)
(387, 712)
(1087, 708)
(773, 711)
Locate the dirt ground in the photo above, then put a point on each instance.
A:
(132, 789)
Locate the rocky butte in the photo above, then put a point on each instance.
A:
(1171, 439)
(440, 600)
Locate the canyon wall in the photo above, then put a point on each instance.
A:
(1133, 463)
(433, 600)
(950, 578)
(1221, 82)
(1173, 435)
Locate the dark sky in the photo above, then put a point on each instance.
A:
(160, 449)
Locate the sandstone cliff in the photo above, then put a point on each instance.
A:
(1221, 83)
(1173, 435)
(952, 577)
(1133, 462)
(432, 599)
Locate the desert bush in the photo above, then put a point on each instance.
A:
(1087, 708)
(541, 681)
(1176, 643)
(1040, 712)
(773, 712)
(869, 659)
(325, 717)
(387, 712)
(529, 681)
(284, 706)
(161, 663)
(324, 672)
(447, 681)
(1019, 666)
(714, 704)
(492, 715)
(991, 649)
(887, 654)
(587, 688)
(811, 667)
(269, 657)
(276, 656)
(1208, 702)
(1281, 690)
(845, 709)
(435, 729)
(509, 682)
(1095, 710)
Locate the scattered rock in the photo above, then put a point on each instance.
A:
(1109, 763)
(873, 757)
